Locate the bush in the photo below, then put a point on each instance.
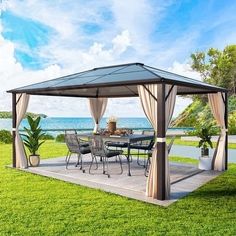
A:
(60, 138)
(232, 123)
(5, 136)
(47, 137)
(213, 130)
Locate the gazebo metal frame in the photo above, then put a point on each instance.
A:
(122, 81)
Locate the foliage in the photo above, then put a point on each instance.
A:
(47, 137)
(33, 135)
(205, 134)
(217, 67)
(178, 141)
(5, 136)
(8, 115)
(100, 213)
(232, 123)
(60, 138)
(199, 113)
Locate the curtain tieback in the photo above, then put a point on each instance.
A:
(161, 140)
(224, 130)
(13, 129)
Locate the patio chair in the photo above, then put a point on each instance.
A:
(75, 146)
(145, 146)
(99, 149)
(169, 146)
(83, 143)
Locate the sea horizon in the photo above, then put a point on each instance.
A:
(57, 125)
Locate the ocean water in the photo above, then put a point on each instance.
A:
(79, 123)
(63, 123)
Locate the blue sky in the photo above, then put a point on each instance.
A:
(43, 39)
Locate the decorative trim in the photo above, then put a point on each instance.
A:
(19, 98)
(223, 97)
(161, 140)
(150, 93)
(169, 92)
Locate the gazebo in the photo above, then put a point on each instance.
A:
(157, 90)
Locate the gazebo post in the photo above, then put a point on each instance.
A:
(161, 143)
(13, 129)
(226, 126)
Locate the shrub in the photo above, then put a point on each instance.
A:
(232, 123)
(214, 130)
(5, 136)
(60, 138)
(47, 137)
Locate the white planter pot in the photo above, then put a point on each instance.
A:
(34, 160)
(205, 163)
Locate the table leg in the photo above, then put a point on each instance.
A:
(128, 156)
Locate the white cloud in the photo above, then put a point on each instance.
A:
(126, 37)
(184, 69)
(14, 75)
(121, 42)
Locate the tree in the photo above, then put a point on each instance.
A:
(217, 67)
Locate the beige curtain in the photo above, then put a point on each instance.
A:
(171, 91)
(217, 105)
(97, 110)
(149, 103)
(21, 107)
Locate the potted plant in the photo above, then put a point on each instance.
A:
(205, 134)
(32, 139)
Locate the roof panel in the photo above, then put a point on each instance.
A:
(175, 77)
(103, 71)
(115, 76)
(125, 77)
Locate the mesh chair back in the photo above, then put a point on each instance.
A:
(148, 142)
(71, 131)
(72, 142)
(97, 145)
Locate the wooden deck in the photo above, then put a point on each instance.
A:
(185, 178)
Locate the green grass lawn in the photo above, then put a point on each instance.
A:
(178, 141)
(36, 205)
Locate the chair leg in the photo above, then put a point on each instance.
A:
(103, 165)
(81, 164)
(67, 155)
(108, 175)
(96, 163)
(68, 160)
(93, 157)
(138, 160)
(147, 166)
(120, 165)
(79, 157)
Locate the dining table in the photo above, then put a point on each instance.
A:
(129, 139)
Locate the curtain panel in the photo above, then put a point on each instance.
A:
(217, 104)
(149, 102)
(21, 107)
(97, 110)
(171, 92)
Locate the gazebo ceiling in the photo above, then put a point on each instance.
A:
(115, 81)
